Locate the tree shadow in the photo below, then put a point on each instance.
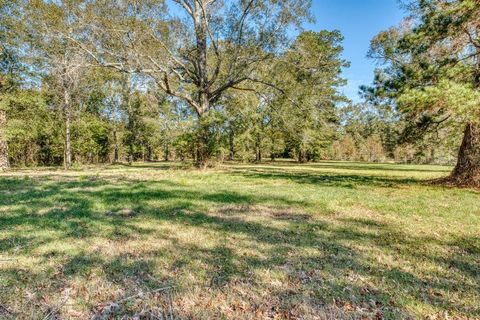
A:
(326, 179)
(359, 166)
(318, 260)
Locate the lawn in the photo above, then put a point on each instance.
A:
(268, 241)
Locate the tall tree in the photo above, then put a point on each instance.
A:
(5, 87)
(194, 52)
(11, 23)
(310, 73)
(52, 26)
(432, 74)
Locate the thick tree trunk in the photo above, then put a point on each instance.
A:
(4, 164)
(202, 145)
(67, 158)
(203, 152)
(202, 148)
(467, 170)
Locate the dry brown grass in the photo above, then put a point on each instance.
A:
(238, 243)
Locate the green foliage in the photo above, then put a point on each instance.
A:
(430, 61)
(459, 99)
(32, 130)
(90, 136)
(310, 72)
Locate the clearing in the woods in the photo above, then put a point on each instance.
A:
(282, 240)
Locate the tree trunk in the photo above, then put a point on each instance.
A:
(115, 141)
(67, 156)
(4, 164)
(202, 152)
(202, 148)
(150, 154)
(167, 152)
(272, 153)
(258, 149)
(301, 156)
(130, 153)
(231, 140)
(202, 145)
(467, 170)
(432, 156)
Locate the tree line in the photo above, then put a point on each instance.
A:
(97, 81)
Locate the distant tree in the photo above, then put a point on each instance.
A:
(310, 73)
(345, 148)
(374, 149)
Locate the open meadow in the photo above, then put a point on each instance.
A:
(268, 241)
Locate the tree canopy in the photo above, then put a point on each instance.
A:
(88, 81)
(431, 75)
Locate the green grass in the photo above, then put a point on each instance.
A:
(324, 240)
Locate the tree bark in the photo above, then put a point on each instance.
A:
(4, 164)
(67, 159)
(202, 152)
(202, 147)
(467, 170)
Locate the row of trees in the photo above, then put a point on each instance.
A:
(108, 81)
(145, 71)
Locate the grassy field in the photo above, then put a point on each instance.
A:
(268, 241)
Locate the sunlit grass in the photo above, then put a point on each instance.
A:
(281, 240)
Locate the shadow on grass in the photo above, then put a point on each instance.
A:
(376, 167)
(325, 179)
(353, 166)
(313, 254)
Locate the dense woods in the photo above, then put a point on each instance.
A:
(205, 81)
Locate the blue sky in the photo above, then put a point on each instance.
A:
(359, 21)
